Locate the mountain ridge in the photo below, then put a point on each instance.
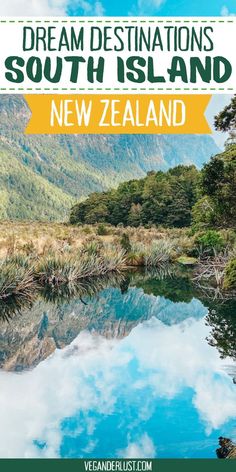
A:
(41, 176)
(30, 338)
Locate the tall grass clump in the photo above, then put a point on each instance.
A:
(112, 260)
(55, 270)
(15, 280)
(159, 252)
(155, 253)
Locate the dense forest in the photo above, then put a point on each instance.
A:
(177, 198)
(164, 198)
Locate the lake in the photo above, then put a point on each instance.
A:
(139, 365)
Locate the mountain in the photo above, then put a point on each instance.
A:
(41, 176)
(32, 336)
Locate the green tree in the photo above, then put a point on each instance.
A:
(226, 119)
(219, 183)
(203, 213)
(222, 320)
(97, 214)
(156, 199)
(179, 211)
(134, 217)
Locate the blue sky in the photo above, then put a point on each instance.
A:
(162, 7)
(118, 8)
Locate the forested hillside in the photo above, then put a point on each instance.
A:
(176, 198)
(161, 198)
(41, 176)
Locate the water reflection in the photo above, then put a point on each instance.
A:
(109, 307)
(124, 372)
(222, 320)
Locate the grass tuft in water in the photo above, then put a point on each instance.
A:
(56, 270)
(15, 280)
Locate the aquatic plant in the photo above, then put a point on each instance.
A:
(20, 260)
(91, 247)
(102, 230)
(157, 252)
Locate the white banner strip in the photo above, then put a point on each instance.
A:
(118, 55)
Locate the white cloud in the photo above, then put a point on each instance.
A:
(33, 7)
(146, 7)
(95, 374)
(50, 7)
(143, 447)
(225, 11)
(218, 412)
(86, 7)
(197, 366)
(99, 9)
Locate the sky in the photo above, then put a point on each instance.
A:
(121, 8)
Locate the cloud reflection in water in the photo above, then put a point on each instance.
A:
(161, 391)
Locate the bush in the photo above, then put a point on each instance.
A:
(229, 237)
(230, 275)
(125, 243)
(86, 230)
(210, 242)
(102, 230)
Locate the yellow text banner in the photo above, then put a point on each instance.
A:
(118, 114)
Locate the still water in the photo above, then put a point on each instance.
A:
(137, 367)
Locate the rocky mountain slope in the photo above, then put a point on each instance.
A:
(41, 176)
(31, 337)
